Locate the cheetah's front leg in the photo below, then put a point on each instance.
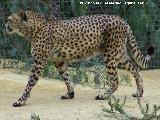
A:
(62, 68)
(39, 64)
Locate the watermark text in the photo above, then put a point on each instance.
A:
(111, 3)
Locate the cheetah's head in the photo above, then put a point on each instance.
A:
(18, 23)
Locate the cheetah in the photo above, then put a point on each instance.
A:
(64, 41)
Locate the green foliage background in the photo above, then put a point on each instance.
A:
(143, 19)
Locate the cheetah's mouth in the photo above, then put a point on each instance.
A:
(8, 29)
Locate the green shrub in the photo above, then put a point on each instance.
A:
(117, 109)
(34, 117)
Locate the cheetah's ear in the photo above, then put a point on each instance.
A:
(23, 15)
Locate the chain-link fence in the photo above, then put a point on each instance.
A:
(143, 19)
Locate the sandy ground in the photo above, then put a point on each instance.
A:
(45, 98)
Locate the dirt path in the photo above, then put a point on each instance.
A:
(45, 98)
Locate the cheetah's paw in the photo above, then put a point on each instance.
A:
(68, 96)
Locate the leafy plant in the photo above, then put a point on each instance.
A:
(148, 112)
(34, 117)
(117, 108)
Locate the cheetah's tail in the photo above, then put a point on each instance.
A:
(141, 60)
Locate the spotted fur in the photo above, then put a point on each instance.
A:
(65, 41)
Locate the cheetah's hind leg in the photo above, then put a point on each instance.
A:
(112, 77)
(134, 70)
